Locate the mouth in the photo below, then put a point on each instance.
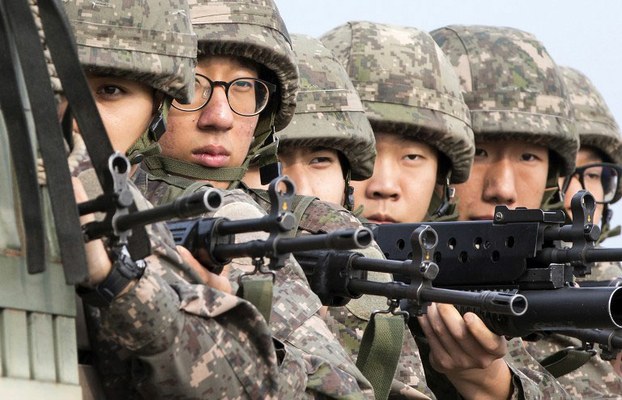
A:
(211, 156)
(381, 219)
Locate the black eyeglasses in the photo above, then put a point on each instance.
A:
(600, 179)
(246, 96)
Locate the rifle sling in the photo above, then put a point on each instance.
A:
(50, 140)
(258, 291)
(14, 110)
(380, 351)
(566, 361)
(75, 87)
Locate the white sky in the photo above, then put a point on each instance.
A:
(583, 34)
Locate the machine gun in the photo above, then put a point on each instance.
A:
(338, 276)
(518, 252)
(212, 240)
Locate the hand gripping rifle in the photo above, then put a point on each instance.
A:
(120, 218)
(338, 276)
(518, 252)
(212, 240)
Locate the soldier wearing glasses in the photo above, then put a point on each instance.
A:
(598, 171)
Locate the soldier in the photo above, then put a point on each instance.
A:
(598, 171)
(244, 49)
(329, 142)
(521, 120)
(598, 160)
(165, 333)
(420, 121)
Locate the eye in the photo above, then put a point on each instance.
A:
(109, 90)
(529, 157)
(242, 85)
(479, 152)
(412, 157)
(321, 161)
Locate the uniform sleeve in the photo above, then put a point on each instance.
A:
(189, 341)
(530, 379)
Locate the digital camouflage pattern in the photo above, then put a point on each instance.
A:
(535, 381)
(408, 87)
(329, 112)
(255, 30)
(594, 380)
(294, 319)
(348, 323)
(512, 87)
(151, 43)
(593, 120)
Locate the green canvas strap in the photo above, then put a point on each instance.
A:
(566, 361)
(160, 165)
(258, 291)
(380, 350)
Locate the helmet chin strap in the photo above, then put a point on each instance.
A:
(442, 206)
(348, 200)
(147, 144)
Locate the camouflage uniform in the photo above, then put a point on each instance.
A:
(167, 336)
(514, 92)
(253, 29)
(598, 129)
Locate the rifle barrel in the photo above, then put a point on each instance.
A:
(340, 240)
(500, 302)
(183, 207)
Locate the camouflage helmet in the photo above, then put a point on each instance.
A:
(593, 120)
(512, 87)
(150, 43)
(329, 112)
(407, 86)
(252, 29)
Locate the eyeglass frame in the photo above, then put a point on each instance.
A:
(578, 171)
(226, 85)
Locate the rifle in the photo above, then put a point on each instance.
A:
(119, 221)
(338, 276)
(212, 240)
(518, 252)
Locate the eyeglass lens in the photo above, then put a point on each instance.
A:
(601, 181)
(246, 96)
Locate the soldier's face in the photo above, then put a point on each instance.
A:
(585, 156)
(125, 106)
(213, 136)
(316, 171)
(401, 188)
(507, 172)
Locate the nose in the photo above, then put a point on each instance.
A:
(216, 115)
(500, 184)
(296, 173)
(384, 183)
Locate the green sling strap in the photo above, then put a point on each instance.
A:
(566, 361)
(380, 351)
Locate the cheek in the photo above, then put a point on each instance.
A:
(126, 121)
